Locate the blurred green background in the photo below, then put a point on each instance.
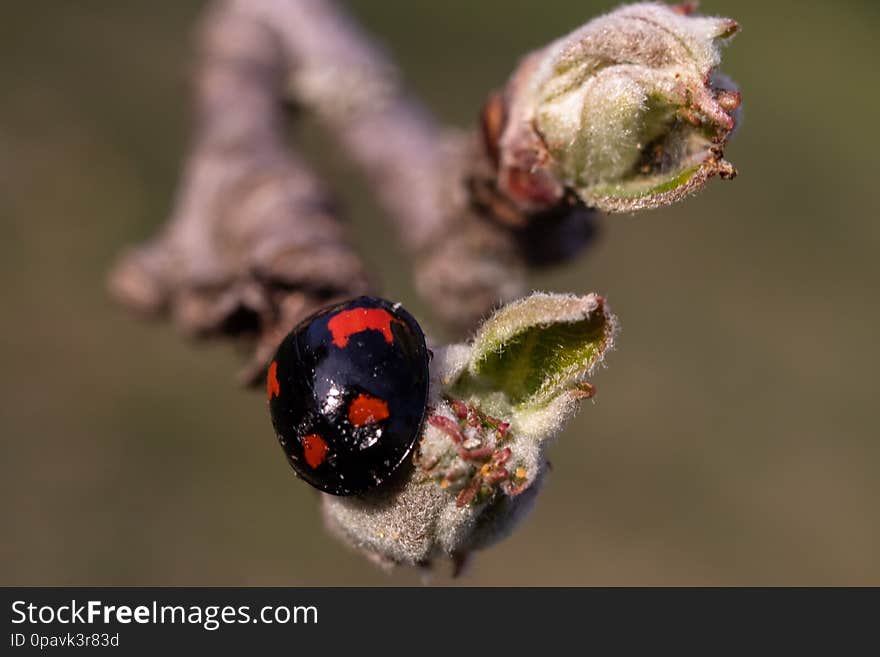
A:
(734, 438)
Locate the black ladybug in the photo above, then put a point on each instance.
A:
(348, 389)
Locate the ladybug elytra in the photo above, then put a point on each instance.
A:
(348, 390)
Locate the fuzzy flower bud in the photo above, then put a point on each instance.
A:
(627, 112)
(495, 404)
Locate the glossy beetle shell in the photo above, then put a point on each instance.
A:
(347, 391)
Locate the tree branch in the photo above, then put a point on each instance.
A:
(254, 242)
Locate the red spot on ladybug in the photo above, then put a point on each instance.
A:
(366, 409)
(349, 322)
(315, 449)
(273, 388)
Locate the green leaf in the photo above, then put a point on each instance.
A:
(536, 349)
(654, 191)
